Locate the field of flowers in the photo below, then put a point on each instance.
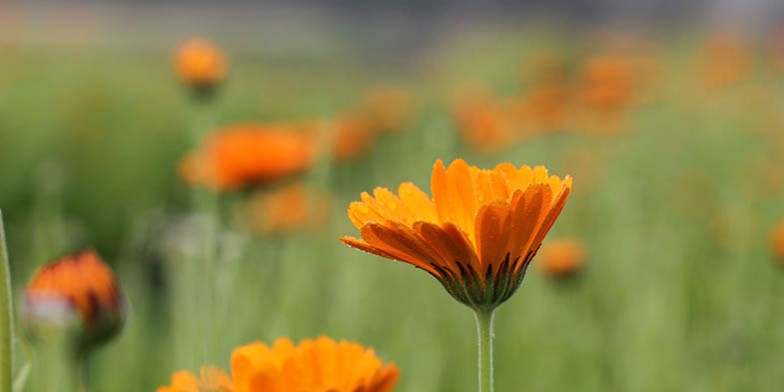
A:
(215, 183)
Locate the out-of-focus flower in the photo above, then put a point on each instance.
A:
(725, 60)
(484, 124)
(211, 379)
(320, 365)
(387, 108)
(562, 257)
(608, 82)
(200, 64)
(78, 293)
(290, 208)
(245, 154)
(549, 107)
(353, 136)
(477, 235)
(777, 242)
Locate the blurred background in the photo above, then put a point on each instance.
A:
(664, 272)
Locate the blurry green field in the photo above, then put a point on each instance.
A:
(679, 292)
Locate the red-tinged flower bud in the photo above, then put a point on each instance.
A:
(79, 293)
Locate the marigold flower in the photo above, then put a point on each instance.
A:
(286, 209)
(562, 258)
(200, 64)
(320, 365)
(78, 289)
(777, 242)
(609, 82)
(387, 108)
(725, 61)
(485, 124)
(243, 154)
(211, 379)
(478, 233)
(353, 137)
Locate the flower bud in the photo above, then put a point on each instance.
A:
(78, 294)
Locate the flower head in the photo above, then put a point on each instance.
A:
(478, 233)
(562, 258)
(287, 209)
(77, 291)
(200, 64)
(211, 379)
(320, 365)
(243, 154)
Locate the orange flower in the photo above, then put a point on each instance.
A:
(562, 258)
(78, 287)
(609, 82)
(210, 379)
(353, 137)
(387, 108)
(287, 209)
(777, 240)
(725, 61)
(320, 365)
(485, 124)
(478, 233)
(199, 63)
(244, 154)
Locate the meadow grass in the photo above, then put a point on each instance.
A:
(679, 292)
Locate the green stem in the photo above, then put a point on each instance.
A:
(484, 328)
(6, 316)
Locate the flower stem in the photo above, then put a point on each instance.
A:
(6, 316)
(484, 328)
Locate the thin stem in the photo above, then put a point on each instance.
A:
(6, 316)
(484, 328)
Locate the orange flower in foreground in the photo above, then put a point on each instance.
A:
(777, 240)
(243, 154)
(210, 379)
(320, 365)
(199, 63)
(78, 289)
(562, 258)
(478, 233)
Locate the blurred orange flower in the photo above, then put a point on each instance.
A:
(777, 240)
(320, 365)
(725, 60)
(387, 108)
(289, 208)
(562, 257)
(244, 154)
(478, 233)
(609, 82)
(77, 287)
(485, 124)
(199, 63)
(353, 137)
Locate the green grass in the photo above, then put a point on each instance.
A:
(679, 292)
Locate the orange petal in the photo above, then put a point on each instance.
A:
(396, 243)
(417, 202)
(440, 192)
(492, 235)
